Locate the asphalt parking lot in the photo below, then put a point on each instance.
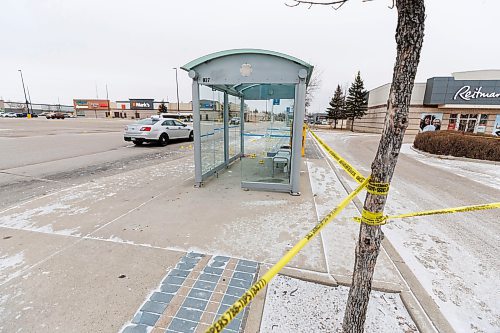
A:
(41, 155)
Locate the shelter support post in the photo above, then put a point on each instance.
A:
(197, 133)
(298, 120)
(226, 128)
(242, 125)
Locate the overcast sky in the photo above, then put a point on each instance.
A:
(66, 48)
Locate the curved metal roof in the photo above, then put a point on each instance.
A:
(193, 64)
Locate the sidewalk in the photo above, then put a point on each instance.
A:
(103, 255)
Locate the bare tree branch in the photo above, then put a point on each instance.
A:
(330, 3)
(312, 87)
(334, 4)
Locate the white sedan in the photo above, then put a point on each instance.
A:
(157, 130)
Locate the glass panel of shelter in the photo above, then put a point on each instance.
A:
(234, 126)
(212, 128)
(267, 136)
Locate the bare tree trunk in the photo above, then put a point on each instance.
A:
(409, 38)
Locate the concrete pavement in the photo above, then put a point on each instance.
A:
(86, 257)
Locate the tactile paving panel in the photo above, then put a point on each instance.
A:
(193, 294)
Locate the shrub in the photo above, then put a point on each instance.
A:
(478, 146)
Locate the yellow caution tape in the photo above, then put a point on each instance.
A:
(371, 218)
(372, 187)
(378, 188)
(355, 174)
(367, 217)
(244, 300)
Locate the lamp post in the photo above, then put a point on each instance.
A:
(177, 85)
(107, 98)
(24, 89)
(29, 98)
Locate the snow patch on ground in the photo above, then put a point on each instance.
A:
(324, 184)
(294, 305)
(464, 288)
(9, 262)
(27, 220)
(483, 173)
(280, 227)
(51, 217)
(265, 203)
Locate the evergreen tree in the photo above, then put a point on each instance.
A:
(162, 108)
(357, 100)
(336, 110)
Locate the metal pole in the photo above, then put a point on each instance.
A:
(242, 125)
(177, 85)
(197, 133)
(25, 98)
(225, 120)
(29, 98)
(298, 120)
(107, 98)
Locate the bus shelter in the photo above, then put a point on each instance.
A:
(248, 106)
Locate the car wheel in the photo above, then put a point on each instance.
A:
(163, 140)
(137, 143)
(191, 136)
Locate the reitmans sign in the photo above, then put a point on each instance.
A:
(467, 93)
(141, 104)
(447, 90)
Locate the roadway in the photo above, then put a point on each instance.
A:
(41, 155)
(455, 257)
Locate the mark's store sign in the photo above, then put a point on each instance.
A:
(141, 104)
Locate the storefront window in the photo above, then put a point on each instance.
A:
(467, 122)
(483, 120)
(452, 124)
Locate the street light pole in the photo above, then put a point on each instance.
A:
(29, 98)
(177, 85)
(24, 89)
(107, 98)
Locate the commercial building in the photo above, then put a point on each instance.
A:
(133, 108)
(92, 108)
(466, 101)
(138, 108)
(317, 118)
(37, 108)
